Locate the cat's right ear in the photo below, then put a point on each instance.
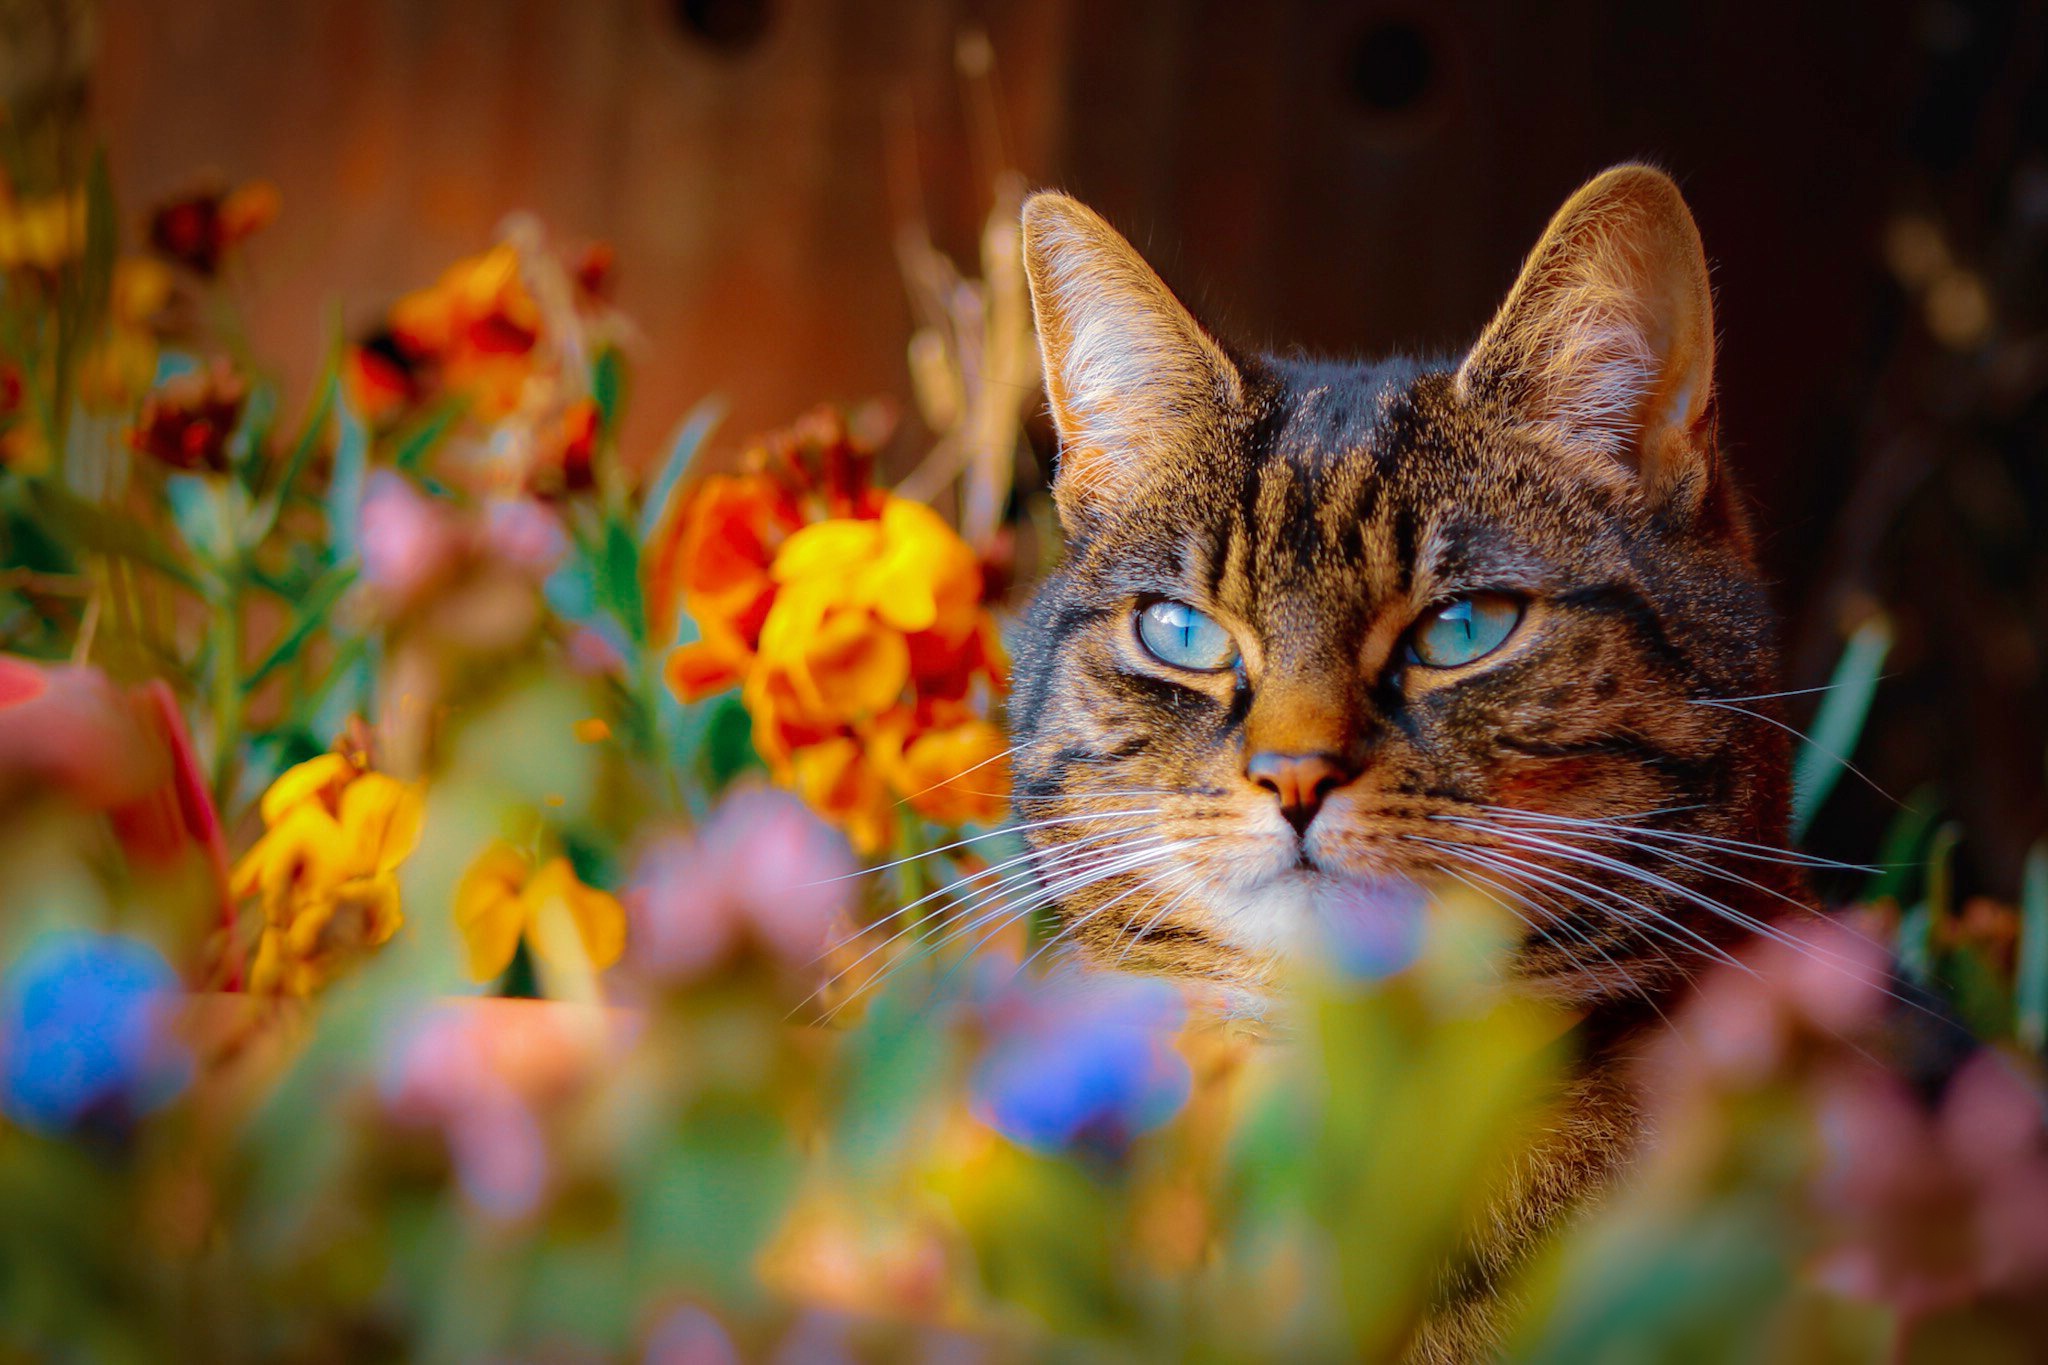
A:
(1133, 378)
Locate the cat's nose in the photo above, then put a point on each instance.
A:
(1301, 781)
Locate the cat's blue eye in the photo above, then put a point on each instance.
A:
(1464, 630)
(1175, 633)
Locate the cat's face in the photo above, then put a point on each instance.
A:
(1328, 633)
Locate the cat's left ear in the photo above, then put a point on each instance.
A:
(1607, 340)
(1133, 378)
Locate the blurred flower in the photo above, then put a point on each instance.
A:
(1080, 1058)
(566, 464)
(487, 1073)
(1811, 985)
(689, 1336)
(950, 770)
(42, 234)
(325, 869)
(475, 570)
(476, 327)
(186, 423)
(763, 869)
(199, 230)
(124, 752)
(1934, 1210)
(504, 898)
(1374, 928)
(120, 366)
(85, 1033)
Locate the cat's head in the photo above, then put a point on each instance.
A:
(1325, 631)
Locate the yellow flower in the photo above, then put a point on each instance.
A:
(44, 233)
(504, 898)
(325, 870)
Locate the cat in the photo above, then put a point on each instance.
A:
(1496, 619)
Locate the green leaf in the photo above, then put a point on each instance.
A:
(420, 441)
(345, 490)
(200, 511)
(690, 435)
(1839, 722)
(727, 748)
(618, 580)
(87, 526)
(2030, 985)
(607, 384)
(1899, 855)
(313, 611)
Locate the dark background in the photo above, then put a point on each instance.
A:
(1871, 181)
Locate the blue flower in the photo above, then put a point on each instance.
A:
(84, 1033)
(1082, 1059)
(1373, 929)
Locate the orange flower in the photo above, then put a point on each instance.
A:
(479, 325)
(952, 774)
(503, 898)
(712, 559)
(858, 638)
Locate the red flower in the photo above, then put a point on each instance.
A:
(198, 230)
(187, 421)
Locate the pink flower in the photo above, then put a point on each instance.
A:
(408, 539)
(524, 533)
(487, 1073)
(762, 870)
(690, 1336)
(1934, 1210)
(1820, 981)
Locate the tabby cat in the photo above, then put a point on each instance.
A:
(1344, 627)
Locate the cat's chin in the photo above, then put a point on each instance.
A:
(1303, 911)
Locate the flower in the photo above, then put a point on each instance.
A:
(712, 560)
(1373, 928)
(1934, 1210)
(200, 229)
(42, 234)
(186, 423)
(475, 329)
(325, 870)
(859, 639)
(84, 1033)
(504, 898)
(1080, 1058)
(763, 869)
(487, 1073)
(689, 1335)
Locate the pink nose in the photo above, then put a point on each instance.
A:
(1301, 781)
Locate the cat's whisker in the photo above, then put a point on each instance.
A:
(1687, 860)
(1805, 739)
(1073, 929)
(1645, 917)
(1758, 852)
(1493, 890)
(1144, 931)
(973, 839)
(950, 781)
(1070, 882)
(1731, 914)
(1774, 696)
(1038, 863)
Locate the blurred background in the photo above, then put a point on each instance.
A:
(1872, 183)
